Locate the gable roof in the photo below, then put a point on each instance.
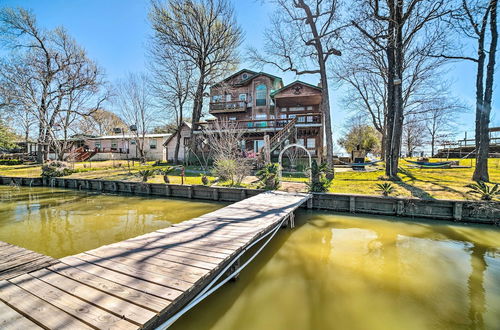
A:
(184, 123)
(273, 93)
(253, 74)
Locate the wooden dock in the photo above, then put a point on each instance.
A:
(141, 282)
(15, 261)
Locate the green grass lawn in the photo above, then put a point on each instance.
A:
(421, 183)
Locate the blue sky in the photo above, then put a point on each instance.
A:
(115, 34)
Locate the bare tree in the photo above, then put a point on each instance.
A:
(413, 134)
(477, 19)
(439, 119)
(398, 30)
(45, 73)
(173, 85)
(100, 122)
(135, 106)
(224, 138)
(204, 32)
(301, 40)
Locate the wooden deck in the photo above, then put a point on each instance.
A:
(140, 282)
(15, 260)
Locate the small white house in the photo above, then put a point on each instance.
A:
(125, 147)
(170, 143)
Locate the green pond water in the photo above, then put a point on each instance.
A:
(62, 222)
(333, 271)
(363, 272)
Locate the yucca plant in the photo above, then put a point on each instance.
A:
(319, 177)
(269, 176)
(484, 191)
(205, 180)
(165, 172)
(146, 174)
(385, 188)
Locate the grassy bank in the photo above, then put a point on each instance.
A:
(421, 183)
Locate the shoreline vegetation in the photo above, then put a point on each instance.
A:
(415, 182)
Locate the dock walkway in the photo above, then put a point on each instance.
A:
(142, 281)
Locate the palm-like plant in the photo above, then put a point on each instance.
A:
(319, 177)
(145, 174)
(165, 172)
(485, 191)
(385, 188)
(269, 176)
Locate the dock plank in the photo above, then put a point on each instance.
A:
(15, 260)
(38, 310)
(111, 304)
(78, 308)
(12, 320)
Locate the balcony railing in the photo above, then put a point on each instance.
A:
(231, 106)
(279, 123)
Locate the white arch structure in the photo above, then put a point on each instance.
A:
(298, 146)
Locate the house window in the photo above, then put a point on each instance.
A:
(311, 143)
(243, 97)
(258, 144)
(300, 142)
(132, 142)
(98, 145)
(244, 76)
(261, 116)
(217, 98)
(232, 118)
(260, 95)
(228, 97)
(302, 119)
(296, 109)
(152, 144)
(114, 146)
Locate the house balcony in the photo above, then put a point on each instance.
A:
(230, 106)
(267, 125)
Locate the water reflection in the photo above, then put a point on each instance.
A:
(347, 272)
(61, 222)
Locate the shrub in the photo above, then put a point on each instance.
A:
(269, 176)
(55, 169)
(231, 170)
(319, 181)
(385, 188)
(10, 162)
(484, 191)
(146, 174)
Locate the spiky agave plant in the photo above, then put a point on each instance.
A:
(146, 174)
(385, 188)
(319, 177)
(484, 191)
(269, 176)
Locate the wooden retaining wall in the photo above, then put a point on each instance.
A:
(454, 210)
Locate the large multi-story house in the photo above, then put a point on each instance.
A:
(262, 105)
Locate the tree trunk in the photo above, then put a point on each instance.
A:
(483, 109)
(196, 115)
(325, 105)
(395, 65)
(177, 145)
